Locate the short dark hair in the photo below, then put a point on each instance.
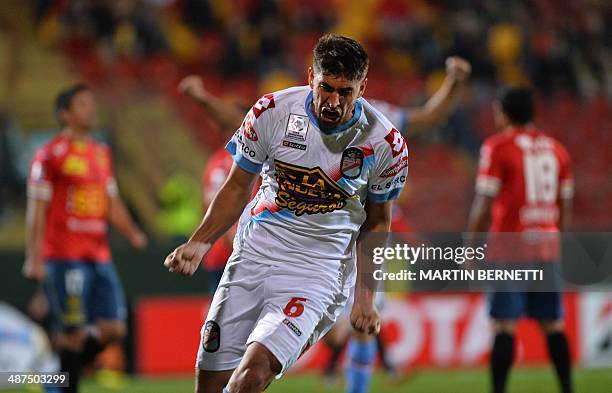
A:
(63, 101)
(517, 103)
(340, 56)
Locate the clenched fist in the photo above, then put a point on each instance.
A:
(193, 87)
(365, 318)
(186, 258)
(458, 68)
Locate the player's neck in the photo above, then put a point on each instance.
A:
(75, 133)
(519, 127)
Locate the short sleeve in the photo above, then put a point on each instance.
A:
(249, 144)
(40, 178)
(489, 178)
(391, 169)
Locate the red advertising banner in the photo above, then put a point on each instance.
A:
(437, 330)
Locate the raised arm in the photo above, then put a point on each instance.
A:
(227, 116)
(440, 105)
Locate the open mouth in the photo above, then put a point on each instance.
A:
(330, 115)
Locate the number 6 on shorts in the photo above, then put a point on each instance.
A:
(294, 308)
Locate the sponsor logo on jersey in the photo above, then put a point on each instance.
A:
(307, 190)
(293, 328)
(297, 127)
(87, 200)
(211, 338)
(352, 163)
(294, 145)
(247, 127)
(394, 183)
(266, 102)
(75, 166)
(243, 147)
(249, 132)
(396, 141)
(396, 168)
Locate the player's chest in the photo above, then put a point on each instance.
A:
(304, 157)
(78, 167)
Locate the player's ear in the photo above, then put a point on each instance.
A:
(311, 77)
(362, 86)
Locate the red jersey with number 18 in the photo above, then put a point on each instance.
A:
(76, 178)
(528, 173)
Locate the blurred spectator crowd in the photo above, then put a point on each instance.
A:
(558, 45)
(128, 49)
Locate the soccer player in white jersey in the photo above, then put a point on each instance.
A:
(410, 121)
(321, 150)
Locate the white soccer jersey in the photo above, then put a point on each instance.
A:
(315, 184)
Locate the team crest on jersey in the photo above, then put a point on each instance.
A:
(211, 338)
(396, 141)
(352, 163)
(297, 127)
(307, 190)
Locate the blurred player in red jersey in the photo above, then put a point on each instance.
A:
(524, 184)
(228, 118)
(410, 121)
(72, 196)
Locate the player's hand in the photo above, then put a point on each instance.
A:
(186, 258)
(458, 68)
(193, 86)
(139, 240)
(365, 318)
(34, 270)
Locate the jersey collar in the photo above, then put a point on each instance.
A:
(339, 128)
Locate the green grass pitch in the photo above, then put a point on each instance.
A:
(523, 380)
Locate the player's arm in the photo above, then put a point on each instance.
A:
(480, 214)
(227, 116)
(223, 212)
(440, 105)
(120, 218)
(36, 220)
(364, 316)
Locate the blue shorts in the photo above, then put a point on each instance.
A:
(536, 305)
(80, 293)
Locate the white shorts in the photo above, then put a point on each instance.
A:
(284, 308)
